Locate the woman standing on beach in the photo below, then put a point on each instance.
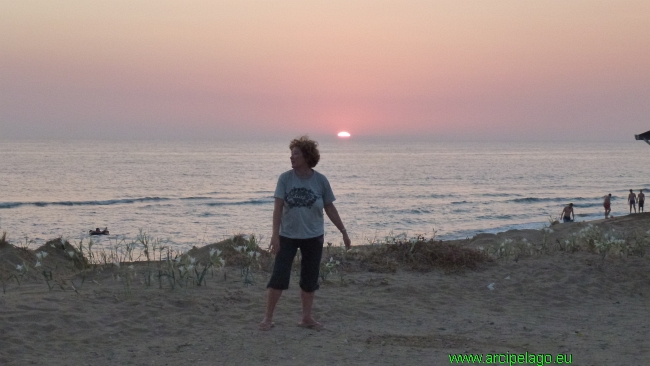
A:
(301, 195)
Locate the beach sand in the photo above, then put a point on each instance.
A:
(597, 311)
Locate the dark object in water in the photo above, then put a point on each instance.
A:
(97, 231)
(644, 136)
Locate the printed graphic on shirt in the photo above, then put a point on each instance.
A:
(300, 197)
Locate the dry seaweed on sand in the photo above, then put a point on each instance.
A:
(419, 255)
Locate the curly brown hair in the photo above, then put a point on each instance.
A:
(309, 149)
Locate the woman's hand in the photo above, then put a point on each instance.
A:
(274, 247)
(346, 240)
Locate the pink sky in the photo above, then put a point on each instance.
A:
(499, 70)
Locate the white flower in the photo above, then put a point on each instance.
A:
(38, 264)
(71, 253)
(491, 286)
(116, 264)
(257, 254)
(131, 267)
(39, 255)
(223, 262)
(19, 267)
(212, 251)
(251, 254)
(44, 254)
(190, 267)
(192, 260)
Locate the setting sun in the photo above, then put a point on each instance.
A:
(343, 134)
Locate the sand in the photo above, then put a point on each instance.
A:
(557, 303)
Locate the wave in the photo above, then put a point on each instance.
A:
(433, 195)
(495, 217)
(500, 195)
(415, 211)
(548, 199)
(81, 203)
(238, 203)
(588, 205)
(9, 205)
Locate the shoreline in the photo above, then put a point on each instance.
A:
(545, 298)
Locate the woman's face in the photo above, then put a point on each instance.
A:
(297, 159)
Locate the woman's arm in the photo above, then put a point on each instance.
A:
(277, 220)
(333, 214)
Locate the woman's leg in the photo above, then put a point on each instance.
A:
(307, 299)
(312, 251)
(272, 298)
(279, 279)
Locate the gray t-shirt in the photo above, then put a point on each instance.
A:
(304, 199)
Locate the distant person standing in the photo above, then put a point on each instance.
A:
(608, 205)
(641, 197)
(631, 199)
(567, 213)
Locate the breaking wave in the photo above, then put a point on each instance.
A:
(6, 205)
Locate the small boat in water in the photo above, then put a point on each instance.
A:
(97, 231)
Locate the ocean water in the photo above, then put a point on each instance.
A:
(193, 193)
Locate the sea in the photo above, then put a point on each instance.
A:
(193, 193)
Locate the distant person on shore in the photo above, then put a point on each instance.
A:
(631, 198)
(301, 195)
(567, 213)
(641, 198)
(608, 205)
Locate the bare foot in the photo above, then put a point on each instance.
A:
(265, 325)
(311, 324)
